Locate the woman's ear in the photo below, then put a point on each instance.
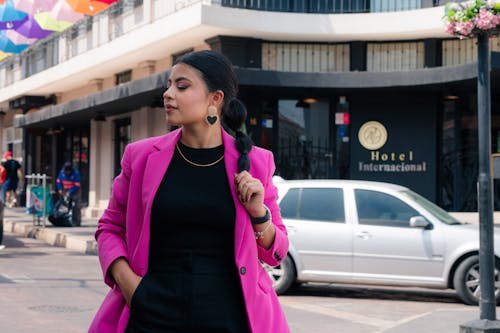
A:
(218, 98)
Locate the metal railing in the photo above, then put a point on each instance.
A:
(128, 15)
(87, 34)
(332, 6)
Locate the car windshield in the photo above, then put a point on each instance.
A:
(435, 210)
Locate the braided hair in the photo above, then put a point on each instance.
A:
(218, 74)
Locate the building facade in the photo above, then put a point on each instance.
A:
(359, 89)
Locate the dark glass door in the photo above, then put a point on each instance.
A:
(123, 136)
(305, 147)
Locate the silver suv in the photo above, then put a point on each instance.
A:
(346, 231)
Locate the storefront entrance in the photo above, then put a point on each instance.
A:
(305, 147)
(48, 150)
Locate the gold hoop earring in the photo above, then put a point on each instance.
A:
(212, 115)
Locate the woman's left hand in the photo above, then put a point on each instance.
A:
(250, 192)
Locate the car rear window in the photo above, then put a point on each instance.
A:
(318, 204)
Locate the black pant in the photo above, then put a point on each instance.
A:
(189, 293)
(76, 211)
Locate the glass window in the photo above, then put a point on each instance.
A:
(435, 210)
(123, 77)
(123, 136)
(393, 6)
(377, 208)
(305, 146)
(318, 204)
(290, 203)
(322, 204)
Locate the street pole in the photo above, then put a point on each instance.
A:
(487, 302)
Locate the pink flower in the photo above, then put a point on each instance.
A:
(496, 20)
(486, 20)
(450, 28)
(464, 28)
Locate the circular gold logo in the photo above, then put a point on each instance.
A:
(372, 135)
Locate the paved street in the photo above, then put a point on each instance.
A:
(48, 289)
(353, 309)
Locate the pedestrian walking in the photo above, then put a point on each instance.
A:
(192, 215)
(3, 178)
(14, 173)
(68, 185)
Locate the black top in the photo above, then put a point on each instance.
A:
(192, 283)
(193, 208)
(11, 166)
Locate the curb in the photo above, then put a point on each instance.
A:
(53, 237)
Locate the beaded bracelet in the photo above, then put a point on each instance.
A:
(260, 234)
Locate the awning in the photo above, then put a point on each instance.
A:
(416, 79)
(148, 91)
(120, 99)
(358, 80)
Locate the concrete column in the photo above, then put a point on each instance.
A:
(147, 10)
(105, 163)
(94, 175)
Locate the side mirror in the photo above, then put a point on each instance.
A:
(419, 222)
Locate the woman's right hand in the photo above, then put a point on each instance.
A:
(129, 288)
(125, 277)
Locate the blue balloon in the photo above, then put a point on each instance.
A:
(7, 46)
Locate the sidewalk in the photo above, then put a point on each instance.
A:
(80, 239)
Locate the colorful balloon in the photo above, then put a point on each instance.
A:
(31, 29)
(87, 7)
(32, 7)
(47, 22)
(7, 46)
(10, 18)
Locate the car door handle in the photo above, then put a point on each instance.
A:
(291, 230)
(364, 235)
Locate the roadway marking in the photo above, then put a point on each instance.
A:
(407, 320)
(380, 324)
(17, 279)
(5, 279)
(411, 318)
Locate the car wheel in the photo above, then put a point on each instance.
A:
(283, 276)
(466, 281)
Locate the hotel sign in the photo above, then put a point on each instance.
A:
(373, 135)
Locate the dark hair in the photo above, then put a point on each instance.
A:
(218, 74)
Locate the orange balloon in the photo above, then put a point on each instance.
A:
(87, 7)
(2, 2)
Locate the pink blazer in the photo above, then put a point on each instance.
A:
(123, 231)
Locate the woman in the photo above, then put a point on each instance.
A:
(191, 216)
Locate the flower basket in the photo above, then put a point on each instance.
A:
(472, 18)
